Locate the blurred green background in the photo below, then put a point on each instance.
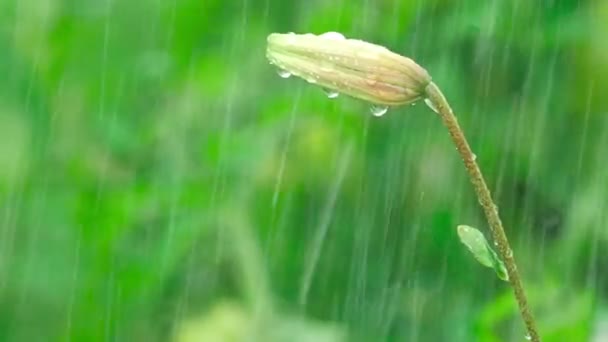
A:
(160, 182)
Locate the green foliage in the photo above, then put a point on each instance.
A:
(154, 172)
(481, 250)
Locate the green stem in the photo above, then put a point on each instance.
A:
(485, 199)
(249, 261)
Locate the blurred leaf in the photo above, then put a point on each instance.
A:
(563, 316)
(229, 322)
(14, 146)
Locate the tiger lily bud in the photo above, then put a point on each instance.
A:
(353, 67)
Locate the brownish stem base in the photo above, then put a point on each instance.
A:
(485, 199)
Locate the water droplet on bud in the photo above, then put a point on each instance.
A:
(333, 35)
(378, 110)
(332, 94)
(283, 73)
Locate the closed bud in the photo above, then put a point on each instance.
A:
(353, 67)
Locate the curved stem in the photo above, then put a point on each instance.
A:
(485, 199)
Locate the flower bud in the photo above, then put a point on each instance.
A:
(353, 67)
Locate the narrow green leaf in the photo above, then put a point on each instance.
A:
(477, 244)
(498, 265)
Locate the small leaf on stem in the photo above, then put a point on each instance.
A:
(481, 250)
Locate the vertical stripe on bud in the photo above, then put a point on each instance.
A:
(362, 70)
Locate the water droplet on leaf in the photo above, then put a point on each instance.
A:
(283, 73)
(474, 157)
(378, 110)
(528, 338)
